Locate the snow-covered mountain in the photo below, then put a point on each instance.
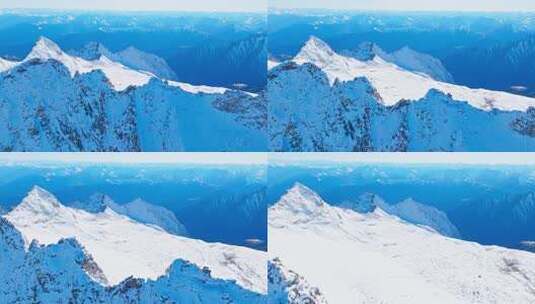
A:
(64, 272)
(405, 58)
(130, 57)
(323, 101)
(344, 254)
(52, 101)
(409, 210)
(123, 248)
(138, 210)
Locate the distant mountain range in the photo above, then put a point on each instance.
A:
(405, 58)
(408, 210)
(137, 209)
(506, 66)
(70, 254)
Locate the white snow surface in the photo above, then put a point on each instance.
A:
(197, 89)
(6, 64)
(123, 247)
(395, 84)
(378, 258)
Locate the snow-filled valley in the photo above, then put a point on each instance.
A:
(53, 101)
(324, 101)
(64, 253)
(326, 254)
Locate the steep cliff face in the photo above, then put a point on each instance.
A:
(288, 287)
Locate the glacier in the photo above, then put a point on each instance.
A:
(124, 248)
(343, 254)
(324, 101)
(52, 101)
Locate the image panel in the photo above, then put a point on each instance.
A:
(401, 76)
(133, 228)
(401, 228)
(132, 76)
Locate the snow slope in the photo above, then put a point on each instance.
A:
(65, 273)
(123, 247)
(378, 258)
(394, 84)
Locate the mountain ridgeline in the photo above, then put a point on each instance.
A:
(77, 257)
(324, 101)
(53, 101)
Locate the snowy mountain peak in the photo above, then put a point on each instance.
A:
(304, 206)
(315, 51)
(45, 49)
(303, 196)
(40, 201)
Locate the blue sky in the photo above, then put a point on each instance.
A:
(412, 5)
(142, 5)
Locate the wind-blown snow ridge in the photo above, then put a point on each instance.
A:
(395, 84)
(123, 247)
(346, 253)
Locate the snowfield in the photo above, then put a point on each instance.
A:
(378, 258)
(123, 248)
